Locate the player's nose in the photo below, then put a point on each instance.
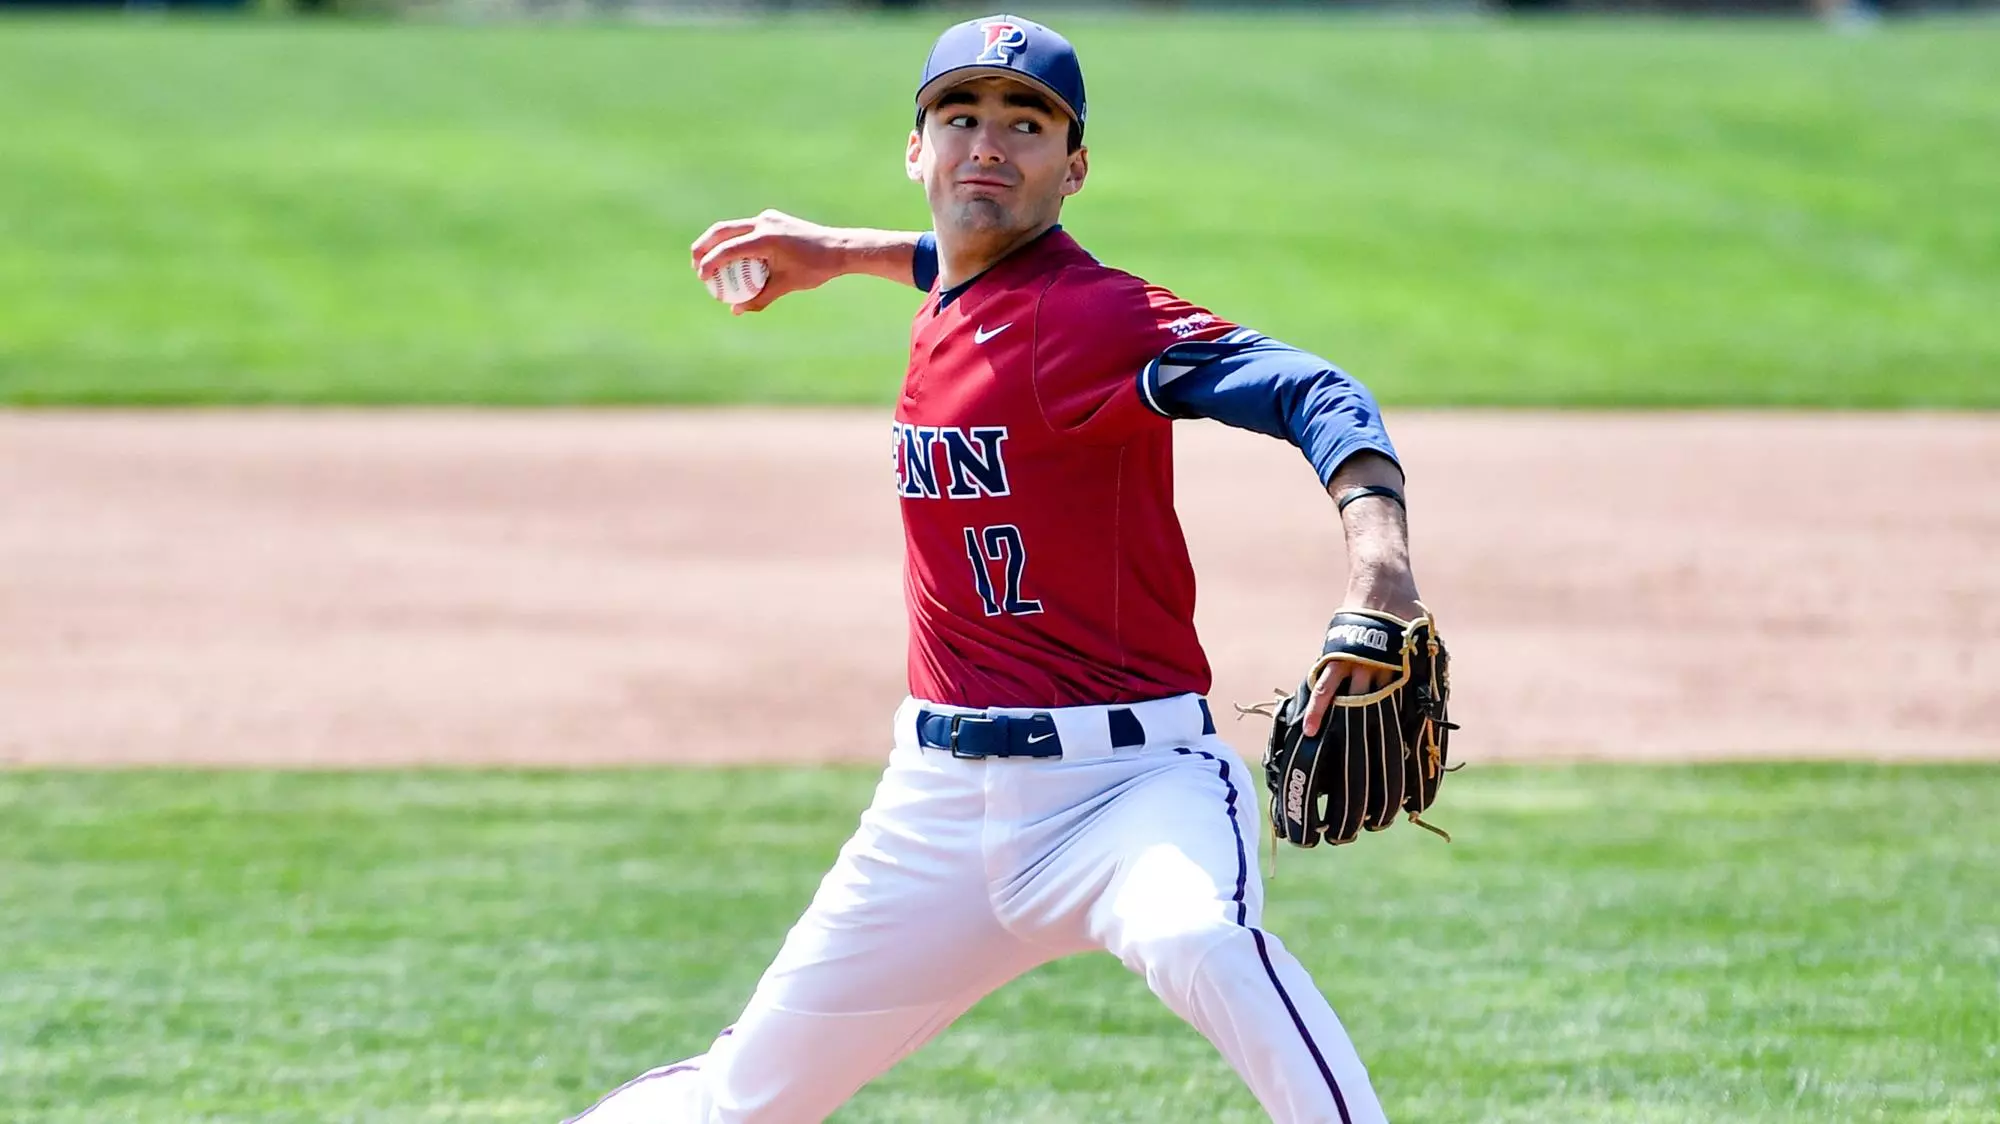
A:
(986, 146)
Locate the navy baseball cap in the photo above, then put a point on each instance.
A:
(1010, 47)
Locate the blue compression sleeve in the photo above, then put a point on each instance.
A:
(924, 270)
(1254, 382)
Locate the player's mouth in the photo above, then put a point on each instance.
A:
(983, 181)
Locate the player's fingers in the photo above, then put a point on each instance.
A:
(724, 252)
(716, 235)
(717, 232)
(1321, 700)
(1340, 678)
(1364, 679)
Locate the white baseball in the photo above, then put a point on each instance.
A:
(739, 280)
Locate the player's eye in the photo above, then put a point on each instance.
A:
(960, 121)
(1030, 127)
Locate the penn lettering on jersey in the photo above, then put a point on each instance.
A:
(974, 460)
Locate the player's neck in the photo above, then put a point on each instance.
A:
(964, 257)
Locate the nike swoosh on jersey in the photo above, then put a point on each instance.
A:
(981, 335)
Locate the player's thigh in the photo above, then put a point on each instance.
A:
(902, 919)
(899, 940)
(1178, 852)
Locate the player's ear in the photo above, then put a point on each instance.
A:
(1079, 167)
(913, 155)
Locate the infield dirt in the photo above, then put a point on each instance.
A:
(327, 589)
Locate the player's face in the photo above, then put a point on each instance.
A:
(993, 156)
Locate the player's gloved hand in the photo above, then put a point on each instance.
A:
(1376, 745)
(802, 255)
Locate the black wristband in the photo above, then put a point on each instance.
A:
(1366, 490)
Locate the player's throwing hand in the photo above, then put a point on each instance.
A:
(801, 255)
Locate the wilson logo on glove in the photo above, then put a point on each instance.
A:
(1375, 638)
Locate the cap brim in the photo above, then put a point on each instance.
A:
(960, 75)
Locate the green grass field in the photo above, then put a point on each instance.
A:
(1459, 212)
(1807, 944)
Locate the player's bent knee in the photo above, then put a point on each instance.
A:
(1178, 963)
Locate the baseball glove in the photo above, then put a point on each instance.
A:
(1375, 754)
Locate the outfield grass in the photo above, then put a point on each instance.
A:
(1629, 213)
(1790, 944)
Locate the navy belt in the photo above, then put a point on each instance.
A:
(1027, 735)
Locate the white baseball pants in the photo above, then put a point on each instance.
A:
(964, 874)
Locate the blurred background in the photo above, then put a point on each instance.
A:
(1845, 9)
(1779, 209)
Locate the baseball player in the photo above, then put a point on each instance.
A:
(1056, 783)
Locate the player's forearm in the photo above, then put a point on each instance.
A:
(888, 254)
(1377, 530)
(802, 255)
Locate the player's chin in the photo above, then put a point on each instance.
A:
(983, 213)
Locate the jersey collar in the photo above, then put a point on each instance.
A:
(947, 296)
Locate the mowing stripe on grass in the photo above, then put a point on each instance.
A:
(1631, 213)
(1781, 944)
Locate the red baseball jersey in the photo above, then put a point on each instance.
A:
(1044, 563)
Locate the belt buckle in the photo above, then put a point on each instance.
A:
(956, 719)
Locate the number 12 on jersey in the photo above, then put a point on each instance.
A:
(1000, 543)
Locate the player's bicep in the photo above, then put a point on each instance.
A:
(1252, 382)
